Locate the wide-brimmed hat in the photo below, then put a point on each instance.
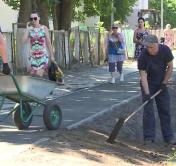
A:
(150, 39)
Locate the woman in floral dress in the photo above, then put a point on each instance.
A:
(139, 35)
(39, 43)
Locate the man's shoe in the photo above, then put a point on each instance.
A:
(148, 142)
(172, 142)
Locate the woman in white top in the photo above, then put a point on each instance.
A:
(169, 36)
(115, 53)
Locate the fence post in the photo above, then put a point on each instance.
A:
(22, 52)
(97, 46)
(85, 47)
(77, 45)
(13, 48)
(89, 48)
(67, 56)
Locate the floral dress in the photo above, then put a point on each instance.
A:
(39, 56)
(140, 47)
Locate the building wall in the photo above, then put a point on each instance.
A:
(141, 4)
(7, 17)
(132, 19)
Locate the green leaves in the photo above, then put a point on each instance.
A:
(87, 8)
(169, 10)
(15, 4)
(123, 9)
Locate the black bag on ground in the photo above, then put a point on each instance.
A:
(54, 73)
(6, 69)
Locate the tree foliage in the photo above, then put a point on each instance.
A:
(15, 4)
(87, 8)
(123, 9)
(169, 12)
(26, 7)
(79, 10)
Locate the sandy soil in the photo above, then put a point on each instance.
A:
(87, 145)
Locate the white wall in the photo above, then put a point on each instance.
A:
(141, 4)
(92, 21)
(89, 21)
(132, 19)
(7, 17)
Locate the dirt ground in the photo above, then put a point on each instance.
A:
(87, 146)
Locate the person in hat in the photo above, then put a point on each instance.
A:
(139, 35)
(169, 36)
(115, 52)
(3, 54)
(155, 67)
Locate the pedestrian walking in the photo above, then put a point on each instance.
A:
(155, 67)
(3, 54)
(169, 36)
(115, 53)
(139, 35)
(39, 43)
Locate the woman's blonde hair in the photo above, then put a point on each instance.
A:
(168, 26)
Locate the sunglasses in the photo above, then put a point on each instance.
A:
(114, 27)
(33, 18)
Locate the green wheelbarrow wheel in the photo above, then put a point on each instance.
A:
(52, 116)
(23, 118)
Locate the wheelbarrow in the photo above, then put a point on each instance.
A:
(25, 90)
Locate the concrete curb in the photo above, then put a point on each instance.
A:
(108, 110)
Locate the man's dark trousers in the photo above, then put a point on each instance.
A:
(163, 106)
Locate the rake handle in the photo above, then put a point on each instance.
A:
(122, 120)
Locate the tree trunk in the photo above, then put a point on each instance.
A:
(107, 22)
(43, 9)
(24, 12)
(34, 5)
(54, 16)
(64, 14)
(26, 7)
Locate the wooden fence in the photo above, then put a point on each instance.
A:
(159, 33)
(70, 47)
